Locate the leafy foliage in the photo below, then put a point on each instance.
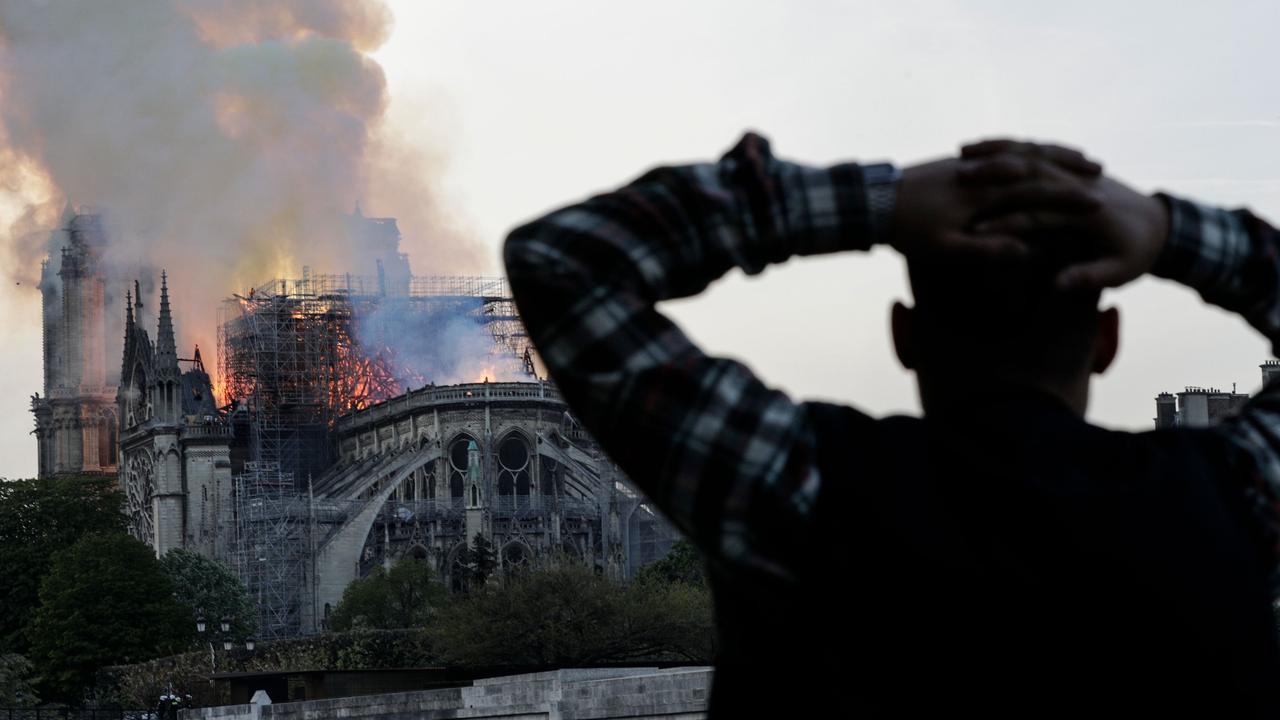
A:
(16, 689)
(567, 614)
(37, 519)
(106, 600)
(478, 562)
(683, 563)
(405, 596)
(206, 586)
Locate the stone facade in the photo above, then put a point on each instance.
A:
(76, 419)
(420, 475)
(175, 447)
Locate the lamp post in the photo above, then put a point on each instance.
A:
(224, 634)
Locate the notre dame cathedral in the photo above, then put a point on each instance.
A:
(300, 509)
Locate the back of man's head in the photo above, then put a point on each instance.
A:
(978, 320)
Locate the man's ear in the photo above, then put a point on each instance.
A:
(900, 321)
(1108, 340)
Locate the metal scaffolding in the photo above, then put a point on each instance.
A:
(290, 356)
(271, 534)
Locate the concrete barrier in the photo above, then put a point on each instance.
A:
(570, 694)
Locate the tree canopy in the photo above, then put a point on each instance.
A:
(105, 601)
(37, 519)
(16, 689)
(683, 563)
(405, 596)
(568, 614)
(474, 564)
(208, 587)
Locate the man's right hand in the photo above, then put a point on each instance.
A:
(1124, 238)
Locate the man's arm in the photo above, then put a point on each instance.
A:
(1232, 258)
(728, 459)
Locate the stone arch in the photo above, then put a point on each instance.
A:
(339, 556)
(573, 485)
(453, 579)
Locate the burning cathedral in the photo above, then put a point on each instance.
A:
(350, 421)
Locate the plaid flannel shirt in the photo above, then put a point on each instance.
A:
(1232, 258)
(729, 460)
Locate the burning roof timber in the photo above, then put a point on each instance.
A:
(335, 343)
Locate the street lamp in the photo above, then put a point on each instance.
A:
(224, 626)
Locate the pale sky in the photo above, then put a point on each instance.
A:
(527, 106)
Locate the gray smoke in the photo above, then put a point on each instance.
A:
(221, 138)
(444, 344)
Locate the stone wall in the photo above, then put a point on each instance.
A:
(574, 694)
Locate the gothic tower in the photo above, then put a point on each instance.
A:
(75, 420)
(175, 445)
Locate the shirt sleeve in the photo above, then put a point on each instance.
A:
(728, 459)
(1232, 258)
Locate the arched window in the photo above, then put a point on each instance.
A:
(459, 463)
(513, 473)
(514, 556)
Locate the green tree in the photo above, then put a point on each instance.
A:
(16, 689)
(37, 519)
(208, 587)
(105, 601)
(568, 614)
(484, 560)
(682, 563)
(477, 562)
(405, 596)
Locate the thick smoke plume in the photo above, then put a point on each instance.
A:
(221, 139)
(445, 345)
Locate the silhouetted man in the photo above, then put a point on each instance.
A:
(1000, 555)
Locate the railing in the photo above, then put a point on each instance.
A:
(206, 430)
(432, 396)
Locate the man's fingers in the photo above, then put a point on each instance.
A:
(994, 170)
(985, 148)
(1095, 275)
(992, 244)
(1024, 222)
(1038, 196)
(1067, 158)
(1071, 159)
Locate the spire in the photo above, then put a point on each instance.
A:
(357, 213)
(128, 312)
(166, 346)
(68, 214)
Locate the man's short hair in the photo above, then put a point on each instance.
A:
(1000, 318)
